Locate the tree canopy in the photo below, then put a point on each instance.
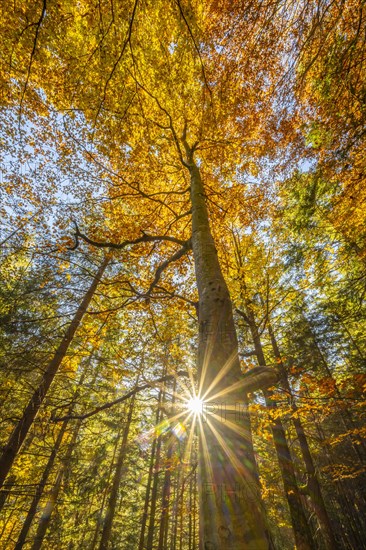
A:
(182, 297)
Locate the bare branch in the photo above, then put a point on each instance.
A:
(115, 65)
(118, 246)
(195, 46)
(111, 404)
(38, 26)
(242, 314)
(248, 353)
(181, 252)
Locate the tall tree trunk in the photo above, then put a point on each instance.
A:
(351, 506)
(194, 513)
(111, 508)
(181, 516)
(40, 488)
(300, 526)
(150, 477)
(21, 430)
(163, 527)
(46, 515)
(46, 472)
(175, 511)
(190, 519)
(99, 520)
(313, 486)
(231, 511)
(154, 496)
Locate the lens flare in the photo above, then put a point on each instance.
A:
(195, 405)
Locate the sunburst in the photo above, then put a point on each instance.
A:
(195, 405)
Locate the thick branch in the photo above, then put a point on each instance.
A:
(242, 314)
(176, 256)
(107, 244)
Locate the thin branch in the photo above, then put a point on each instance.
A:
(127, 41)
(195, 46)
(38, 26)
(248, 353)
(111, 404)
(171, 126)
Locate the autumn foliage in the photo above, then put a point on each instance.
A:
(183, 213)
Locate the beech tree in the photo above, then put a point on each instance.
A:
(157, 130)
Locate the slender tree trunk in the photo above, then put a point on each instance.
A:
(231, 511)
(54, 493)
(181, 517)
(154, 495)
(40, 488)
(145, 513)
(21, 430)
(345, 415)
(47, 513)
(194, 512)
(99, 521)
(149, 478)
(165, 498)
(111, 508)
(190, 519)
(175, 514)
(313, 486)
(347, 497)
(46, 472)
(300, 526)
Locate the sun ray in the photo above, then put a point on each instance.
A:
(205, 451)
(219, 376)
(189, 445)
(237, 428)
(206, 361)
(245, 475)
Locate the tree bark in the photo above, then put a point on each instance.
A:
(21, 430)
(345, 415)
(354, 526)
(231, 513)
(99, 519)
(175, 510)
